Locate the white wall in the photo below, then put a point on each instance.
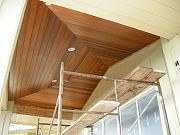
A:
(171, 51)
(150, 56)
(11, 13)
(0, 2)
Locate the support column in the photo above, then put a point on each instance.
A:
(5, 119)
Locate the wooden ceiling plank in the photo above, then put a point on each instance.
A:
(85, 20)
(90, 64)
(63, 40)
(27, 40)
(46, 98)
(31, 51)
(30, 25)
(107, 60)
(107, 37)
(75, 57)
(41, 32)
(42, 51)
(87, 63)
(51, 70)
(18, 54)
(78, 90)
(37, 111)
(108, 51)
(62, 58)
(81, 86)
(45, 63)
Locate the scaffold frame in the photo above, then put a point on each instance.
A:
(58, 106)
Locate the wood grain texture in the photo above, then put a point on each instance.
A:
(45, 36)
(38, 111)
(46, 98)
(127, 90)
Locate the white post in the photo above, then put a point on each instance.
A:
(5, 119)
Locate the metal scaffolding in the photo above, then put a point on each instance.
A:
(58, 106)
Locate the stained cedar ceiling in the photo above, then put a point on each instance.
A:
(46, 34)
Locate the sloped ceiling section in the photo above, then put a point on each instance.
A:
(159, 17)
(45, 36)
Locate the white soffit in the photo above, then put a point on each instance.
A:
(88, 119)
(159, 17)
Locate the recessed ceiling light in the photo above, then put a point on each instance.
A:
(53, 81)
(71, 49)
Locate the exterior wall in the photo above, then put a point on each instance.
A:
(0, 2)
(11, 13)
(150, 56)
(171, 51)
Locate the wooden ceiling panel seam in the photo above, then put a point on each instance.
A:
(31, 50)
(80, 84)
(67, 104)
(29, 29)
(99, 46)
(54, 49)
(63, 58)
(76, 87)
(19, 47)
(44, 70)
(78, 59)
(66, 36)
(37, 111)
(107, 60)
(80, 31)
(26, 102)
(22, 31)
(93, 65)
(93, 21)
(42, 50)
(49, 59)
(79, 91)
(40, 36)
(49, 97)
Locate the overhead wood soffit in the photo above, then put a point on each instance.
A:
(45, 36)
(38, 111)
